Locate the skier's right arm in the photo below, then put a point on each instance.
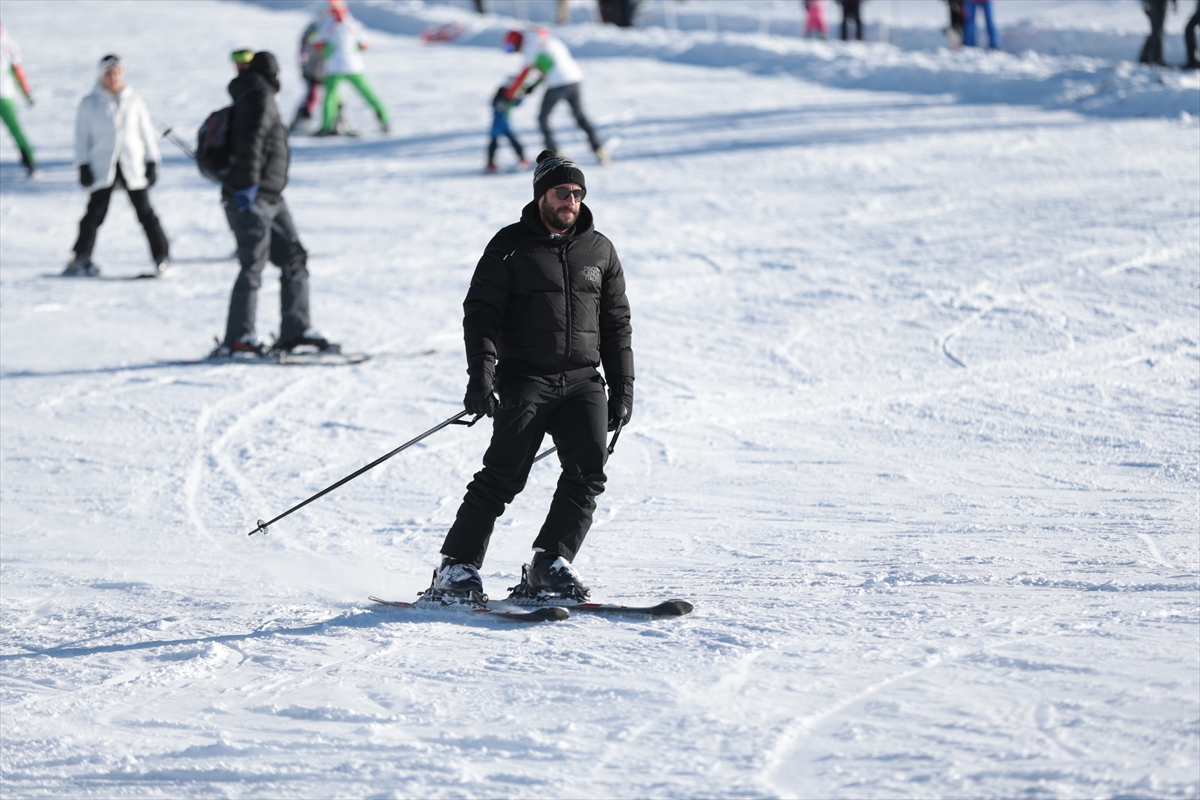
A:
(486, 301)
(248, 135)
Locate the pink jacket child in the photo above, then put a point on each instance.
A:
(816, 19)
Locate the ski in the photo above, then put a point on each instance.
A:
(493, 608)
(666, 608)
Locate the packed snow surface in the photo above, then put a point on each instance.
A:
(917, 430)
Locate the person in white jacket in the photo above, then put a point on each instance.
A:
(547, 60)
(341, 42)
(115, 145)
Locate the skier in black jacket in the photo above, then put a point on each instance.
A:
(546, 307)
(252, 195)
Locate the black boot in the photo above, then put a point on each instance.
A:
(550, 577)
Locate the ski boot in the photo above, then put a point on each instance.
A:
(549, 580)
(81, 267)
(454, 583)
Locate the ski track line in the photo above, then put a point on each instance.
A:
(788, 740)
(214, 451)
(943, 342)
(1154, 551)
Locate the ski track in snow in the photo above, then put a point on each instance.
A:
(916, 430)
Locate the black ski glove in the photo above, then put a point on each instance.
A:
(151, 174)
(85, 176)
(480, 398)
(619, 411)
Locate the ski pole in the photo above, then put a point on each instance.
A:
(175, 139)
(455, 420)
(611, 445)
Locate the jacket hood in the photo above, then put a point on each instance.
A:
(533, 220)
(247, 80)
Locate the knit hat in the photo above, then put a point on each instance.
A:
(264, 64)
(552, 170)
(110, 60)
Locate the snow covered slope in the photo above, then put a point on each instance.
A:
(917, 430)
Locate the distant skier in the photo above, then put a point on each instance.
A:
(954, 31)
(1152, 50)
(814, 22)
(12, 74)
(340, 41)
(1189, 40)
(852, 12)
(252, 196)
(502, 105)
(969, 30)
(312, 69)
(548, 59)
(115, 145)
(546, 307)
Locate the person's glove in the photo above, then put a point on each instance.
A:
(85, 176)
(151, 174)
(244, 197)
(480, 397)
(619, 412)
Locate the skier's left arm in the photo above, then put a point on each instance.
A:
(616, 342)
(19, 73)
(146, 130)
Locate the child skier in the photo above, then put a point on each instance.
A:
(501, 106)
(10, 69)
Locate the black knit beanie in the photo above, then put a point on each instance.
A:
(551, 170)
(264, 64)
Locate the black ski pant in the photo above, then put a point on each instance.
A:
(1189, 38)
(850, 13)
(1152, 50)
(571, 94)
(265, 231)
(97, 210)
(575, 414)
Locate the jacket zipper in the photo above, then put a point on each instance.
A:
(562, 258)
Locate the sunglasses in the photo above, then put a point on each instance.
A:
(563, 193)
(242, 56)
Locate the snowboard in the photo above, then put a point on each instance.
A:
(319, 359)
(442, 33)
(141, 276)
(492, 609)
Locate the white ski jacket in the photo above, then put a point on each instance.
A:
(342, 45)
(9, 57)
(112, 130)
(548, 54)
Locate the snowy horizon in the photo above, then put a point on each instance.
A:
(916, 429)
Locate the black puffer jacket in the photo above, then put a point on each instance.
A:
(542, 305)
(257, 138)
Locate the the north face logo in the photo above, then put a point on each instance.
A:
(591, 274)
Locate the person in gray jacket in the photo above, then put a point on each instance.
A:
(252, 195)
(115, 145)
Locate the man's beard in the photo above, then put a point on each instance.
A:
(561, 220)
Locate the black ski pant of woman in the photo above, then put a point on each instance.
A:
(571, 94)
(850, 13)
(575, 414)
(97, 210)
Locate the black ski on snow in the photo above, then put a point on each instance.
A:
(494, 609)
(667, 608)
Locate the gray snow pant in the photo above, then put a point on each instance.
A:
(576, 416)
(550, 99)
(266, 231)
